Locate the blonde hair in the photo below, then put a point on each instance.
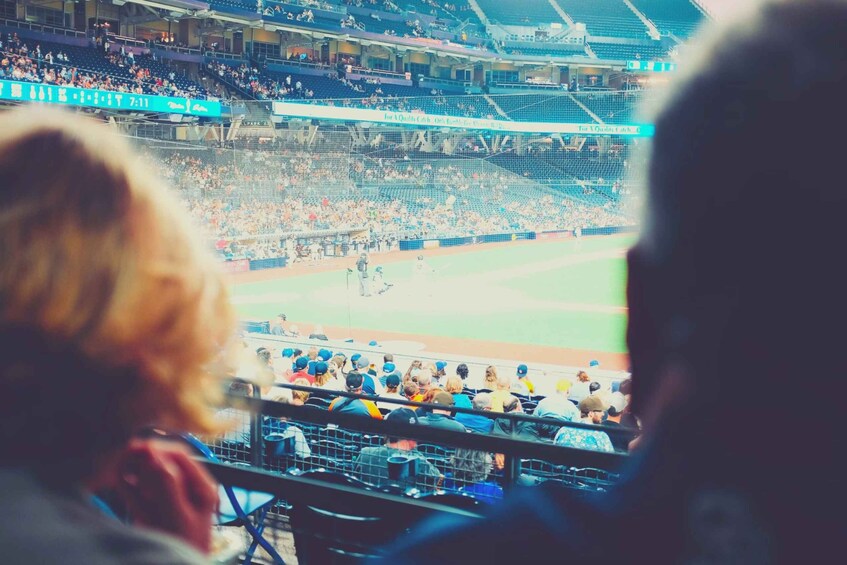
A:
(453, 384)
(490, 377)
(100, 260)
(300, 395)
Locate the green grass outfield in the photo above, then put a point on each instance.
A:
(558, 293)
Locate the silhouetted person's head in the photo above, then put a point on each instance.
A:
(736, 285)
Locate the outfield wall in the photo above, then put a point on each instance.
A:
(417, 244)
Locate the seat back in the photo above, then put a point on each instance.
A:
(335, 528)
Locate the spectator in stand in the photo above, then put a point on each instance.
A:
(98, 345)
(286, 429)
(413, 366)
(372, 386)
(475, 422)
(501, 393)
(558, 405)
(592, 410)
(471, 469)
(617, 404)
(628, 419)
(392, 386)
(323, 375)
(489, 382)
(442, 418)
(425, 383)
(523, 385)
(522, 429)
(462, 372)
(301, 366)
(412, 392)
(454, 387)
(299, 397)
(372, 463)
(387, 370)
(580, 438)
(350, 405)
(581, 388)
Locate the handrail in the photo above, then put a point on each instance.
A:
(55, 30)
(518, 417)
(280, 485)
(511, 447)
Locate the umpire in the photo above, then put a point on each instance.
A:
(362, 268)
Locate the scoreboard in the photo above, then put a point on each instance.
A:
(72, 96)
(651, 66)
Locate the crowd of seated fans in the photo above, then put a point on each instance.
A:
(260, 86)
(471, 472)
(26, 61)
(247, 195)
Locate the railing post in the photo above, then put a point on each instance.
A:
(511, 471)
(257, 445)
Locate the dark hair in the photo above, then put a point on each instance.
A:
(511, 404)
(594, 387)
(263, 354)
(462, 370)
(355, 380)
(715, 258)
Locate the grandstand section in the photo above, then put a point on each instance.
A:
(528, 13)
(606, 18)
(681, 18)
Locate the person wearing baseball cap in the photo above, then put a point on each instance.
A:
(557, 406)
(592, 410)
(523, 385)
(372, 386)
(301, 370)
(441, 418)
(387, 369)
(358, 406)
(392, 391)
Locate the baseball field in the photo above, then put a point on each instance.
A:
(549, 301)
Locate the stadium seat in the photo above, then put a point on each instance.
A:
(238, 505)
(335, 529)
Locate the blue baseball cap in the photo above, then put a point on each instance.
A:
(301, 363)
(440, 365)
(522, 370)
(355, 357)
(321, 368)
(287, 352)
(389, 368)
(325, 354)
(373, 343)
(594, 363)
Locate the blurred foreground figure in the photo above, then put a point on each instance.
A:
(736, 296)
(110, 315)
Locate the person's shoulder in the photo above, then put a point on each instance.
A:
(69, 530)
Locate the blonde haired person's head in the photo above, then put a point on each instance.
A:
(490, 381)
(112, 311)
(453, 384)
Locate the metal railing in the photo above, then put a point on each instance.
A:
(445, 460)
(41, 27)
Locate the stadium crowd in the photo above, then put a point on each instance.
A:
(575, 400)
(25, 61)
(243, 197)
